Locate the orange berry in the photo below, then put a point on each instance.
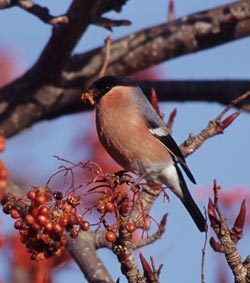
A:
(41, 191)
(29, 219)
(36, 226)
(110, 236)
(44, 210)
(48, 226)
(109, 207)
(7, 207)
(85, 225)
(42, 219)
(15, 213)
(73, 234)
(130, 227)
(57, 228)
(18, 224)
(63, 221)
(79, 218)
(34, 211)
(67, 208)
(31, 194)
(40, 199)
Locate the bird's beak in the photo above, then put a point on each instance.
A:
(88, 96)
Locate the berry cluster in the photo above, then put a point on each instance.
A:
(42, 224)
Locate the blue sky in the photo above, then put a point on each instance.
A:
(224, 157)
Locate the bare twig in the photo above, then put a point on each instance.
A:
(170, 16)
(227, 241)
(40, 12)
(204, 252)
(109, 24)
(108, 41)
(214, 128)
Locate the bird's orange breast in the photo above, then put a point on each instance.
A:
(124, 134)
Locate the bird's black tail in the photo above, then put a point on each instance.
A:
(190, 204)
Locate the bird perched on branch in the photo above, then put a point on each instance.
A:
(137, 139)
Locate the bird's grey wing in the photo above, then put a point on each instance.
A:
(158, 130)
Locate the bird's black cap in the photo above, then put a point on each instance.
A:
(103, 85)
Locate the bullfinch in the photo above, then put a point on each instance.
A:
(137, 139)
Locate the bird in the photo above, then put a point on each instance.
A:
(136, 137)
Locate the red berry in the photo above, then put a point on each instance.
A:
(31, 194)
(34, 211)
(15, 213)
(44, 210)
(40, 199)
(57, 228)
(36, 226)
(7, 207)
(73, 234)
(101, 206)
(42, 219)
(85, 225)
(109, 207)
(63, 221)
(48, 226)
(130, 227)
(110, 236)
(29, 219)
(18, 224)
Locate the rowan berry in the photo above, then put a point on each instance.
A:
(110, 236)
(130, 227)
(85, 225)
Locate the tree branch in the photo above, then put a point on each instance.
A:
(41, 12)
(166, 41)
(44, 92)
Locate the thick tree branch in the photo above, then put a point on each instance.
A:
(49, 102)
(42, 93)
(84, 252)
(154, 45)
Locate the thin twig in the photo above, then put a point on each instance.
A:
(204, 252)
(41, 12)
(215, 127)
(108, 41)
